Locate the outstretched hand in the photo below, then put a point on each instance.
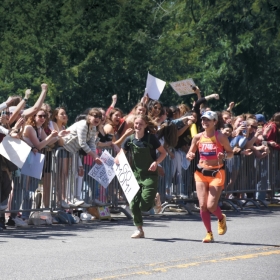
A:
(27, 93)
(44, 87)
(63, 133)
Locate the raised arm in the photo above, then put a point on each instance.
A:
(37, 106)
(114, 101)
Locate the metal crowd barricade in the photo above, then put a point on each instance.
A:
(244, 175)
(247, 178)
(250, 179)
(27, 192)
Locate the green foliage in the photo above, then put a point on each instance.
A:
(88, 50)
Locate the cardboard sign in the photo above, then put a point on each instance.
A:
(33, 165)
(103, 173)
(15, 150)
(126, 177)
(154, 87)
(183, 87)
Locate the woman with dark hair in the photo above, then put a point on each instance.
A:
(213, 148)
(112, 126)
(155, 109)
(139, 109)
(82, 135)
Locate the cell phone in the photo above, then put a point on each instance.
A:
(264, 143)
(244, 131)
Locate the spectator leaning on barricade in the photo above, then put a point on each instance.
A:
(59, 122)
(271, 132)
(82, 135)
(34, 135)
(113, 122)
(213, 148)
(46, 177)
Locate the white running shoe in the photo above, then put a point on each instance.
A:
(78, 202)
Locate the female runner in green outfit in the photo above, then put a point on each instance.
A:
(144, 162)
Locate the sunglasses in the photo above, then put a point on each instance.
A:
(41, 116)
(97, 116)
(6, 113)
(157, 108)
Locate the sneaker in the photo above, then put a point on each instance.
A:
(138, 234)
(78, 202)
(249, 203)
(10, 222)
(63, 204)
(208, 238)
(99, 203)
(20, 222)
(222, 225)
(85, 205)
(72, 205)
(183, 196)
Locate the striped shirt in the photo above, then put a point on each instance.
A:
(80, 136)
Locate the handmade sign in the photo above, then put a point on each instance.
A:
(15, 150)
(103, 173)
(154, 87)
(183, 87)
(126, 177)
(33, 165)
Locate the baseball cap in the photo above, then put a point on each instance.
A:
(260, 118)
(210, 115)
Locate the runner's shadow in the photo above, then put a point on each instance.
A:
(172, 240)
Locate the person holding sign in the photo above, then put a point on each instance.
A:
(214, 149)
(143, 145)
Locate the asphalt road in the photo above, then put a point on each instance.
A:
(172, 249)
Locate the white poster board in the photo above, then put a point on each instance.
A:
(15, 150)
(183, 87)
(103, 173)
(33, 165)
(154, 87)
(126, 177)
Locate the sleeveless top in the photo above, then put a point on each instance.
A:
(209, 147)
